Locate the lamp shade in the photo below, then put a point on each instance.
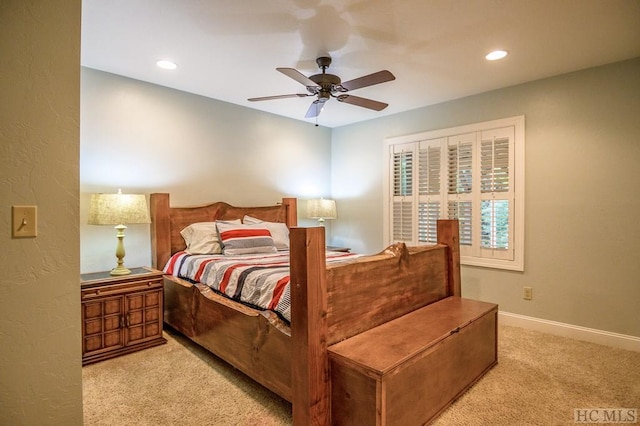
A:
(118, 209)
(321, 209)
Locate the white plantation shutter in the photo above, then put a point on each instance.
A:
(495, 224)
(471, 173)
(460, 186)
(494, 164)
(496, 193)
(403, 221)
(428, 215)
(462, 210)
(403, 183)
(429, 190)
(429, 174)
(460, 164)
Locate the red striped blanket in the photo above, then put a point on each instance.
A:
(257, 280)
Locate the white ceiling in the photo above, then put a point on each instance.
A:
(228, 50)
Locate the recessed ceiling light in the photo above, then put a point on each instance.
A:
(495, 55)
(166, 64)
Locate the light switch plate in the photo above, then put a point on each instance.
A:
(25, 221)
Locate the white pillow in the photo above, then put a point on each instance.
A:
(279, 231)
(202, 238)
(245, 239)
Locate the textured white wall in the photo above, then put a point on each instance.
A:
(582, 227)
(40, 366)
(145, 138)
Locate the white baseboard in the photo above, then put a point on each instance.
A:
(622, 341)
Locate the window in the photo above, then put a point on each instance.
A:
(472, 173)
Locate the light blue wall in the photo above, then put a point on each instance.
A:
(145, 138)
(582, 249)
(582, 152)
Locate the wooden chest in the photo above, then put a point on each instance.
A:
(407, 371)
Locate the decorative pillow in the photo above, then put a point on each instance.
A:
(245, 239)
(202, 238)
(279, 231)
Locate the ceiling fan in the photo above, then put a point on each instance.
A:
(326, 86)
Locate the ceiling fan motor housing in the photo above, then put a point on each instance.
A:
(327, 83)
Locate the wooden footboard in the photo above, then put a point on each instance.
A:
(332, 304)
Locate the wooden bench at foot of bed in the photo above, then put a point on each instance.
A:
(407, 371)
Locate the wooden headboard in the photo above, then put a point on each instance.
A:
(167, 221)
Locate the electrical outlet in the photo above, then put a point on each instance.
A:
(527, 293)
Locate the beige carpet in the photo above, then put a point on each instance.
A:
(539, 380)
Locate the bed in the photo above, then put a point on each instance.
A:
(329, 303)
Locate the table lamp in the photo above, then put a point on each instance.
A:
(118, 209)
(321, 209)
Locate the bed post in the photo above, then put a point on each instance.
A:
(309, 362)
(448, 233)
(291, 205)
(160, 230)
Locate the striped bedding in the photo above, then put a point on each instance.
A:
(257, 280)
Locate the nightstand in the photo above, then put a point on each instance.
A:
(120, 314)
(343, 249)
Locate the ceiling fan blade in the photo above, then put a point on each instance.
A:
(268, 98)
(297, 76)
(362, 102)
(315, 109)
(368, 80)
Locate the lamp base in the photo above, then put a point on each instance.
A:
(120, 270)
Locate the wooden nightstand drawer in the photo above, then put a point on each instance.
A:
(102, 290)
(120, 314)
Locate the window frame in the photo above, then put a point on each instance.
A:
(469, 256)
